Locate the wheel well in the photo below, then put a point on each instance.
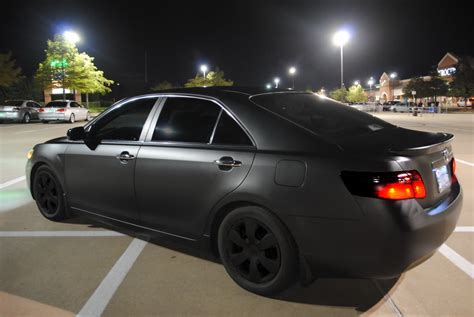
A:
(32, 175)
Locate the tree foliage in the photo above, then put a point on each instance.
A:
(66, 67)
(433, 87)
(9, 72)
(213, 78)
(339, 94)
(356, 94)
(164, 85)
(463, 83)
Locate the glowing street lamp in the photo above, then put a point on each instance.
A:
(71, 37)
(292, 72)
(268, 86)
(393, 75)
(371, 82)
(340, 39)
(276, 81)
(204, 70)
(356, 83)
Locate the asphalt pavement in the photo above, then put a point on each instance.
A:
(80, 267)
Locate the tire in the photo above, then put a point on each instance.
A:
(49, 195)
(88, 117)
(44, 121)
(261, 269)
(72, 118)
(26, 118)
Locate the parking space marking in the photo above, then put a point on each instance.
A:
(388, 299)
(12, 182)
(463, 264)
(101, 297)
(464, 162)
(36, 130)
(464, 229)
(92, 233)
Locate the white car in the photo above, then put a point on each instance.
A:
(64, 110)
(400, 107)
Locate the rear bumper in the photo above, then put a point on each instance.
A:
(53, 116)
(390, 239)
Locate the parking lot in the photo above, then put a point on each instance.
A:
(82, 268)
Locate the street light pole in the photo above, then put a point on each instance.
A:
(340, 39)
(292, 72)
(342, 66)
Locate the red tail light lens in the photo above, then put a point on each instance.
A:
(40, 110)
(60, 110)
(453, 166)
(392, 186)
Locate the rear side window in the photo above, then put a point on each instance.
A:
(320, 115)
(186, 120)
(229, 132)
(125, 122)
(56, 104)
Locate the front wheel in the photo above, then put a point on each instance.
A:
(88, 117)
(257, 251)
(72, 118)
(26, 118)
(48, 194)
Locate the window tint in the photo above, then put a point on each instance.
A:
(125, 122)
(74, 105)
(321, 115)
(229, 132)
(186, 120)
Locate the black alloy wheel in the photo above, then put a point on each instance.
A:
(48, 194)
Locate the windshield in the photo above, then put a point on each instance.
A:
(56, 104)
(13, 103)
(320, 115)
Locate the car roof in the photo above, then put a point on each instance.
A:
(217, 91)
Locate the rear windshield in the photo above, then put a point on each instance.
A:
(320, 115)
(56, 104)
(13, 103)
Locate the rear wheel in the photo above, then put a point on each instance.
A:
(49, 195)
(26, 118)
(257, 251)
(72, 118)
(44, 121)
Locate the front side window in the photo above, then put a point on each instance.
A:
(186, 120)
(228, 132)
(125, 122)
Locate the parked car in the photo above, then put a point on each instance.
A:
(386, 106)
(19, 110)
(400, 107)
(282, 186)
(64, 110)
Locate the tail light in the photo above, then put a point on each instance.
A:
(391, 185)
(40, 110)
(60, 110)
(15, 109)
(453, 166)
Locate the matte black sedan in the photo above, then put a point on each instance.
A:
(282, 186)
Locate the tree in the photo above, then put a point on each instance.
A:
(419, 85)
(437, 87)
(339, 94)
(9, 72)
(356, 94)
(213, 78)
(164, 85)
(463, 83)
(65, 66)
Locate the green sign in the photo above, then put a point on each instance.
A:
(59, 63)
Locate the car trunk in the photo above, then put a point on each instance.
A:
(428, 153)
(8, 108)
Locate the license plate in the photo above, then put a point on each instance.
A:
(442, 178)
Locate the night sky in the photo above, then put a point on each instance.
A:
(252, 41)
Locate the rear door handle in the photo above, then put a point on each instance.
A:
(124, 157)
(228, 162)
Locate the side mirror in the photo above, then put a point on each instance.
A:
(76, 134)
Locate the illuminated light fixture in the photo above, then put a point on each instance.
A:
(71, 37)
(204, 70)
(276, 81)
(393, 75)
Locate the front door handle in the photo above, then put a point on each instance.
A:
(124, 157)
(228, 161)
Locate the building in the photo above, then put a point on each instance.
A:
(389, 89)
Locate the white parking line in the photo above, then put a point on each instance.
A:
(388, 299)
(96, 233)
(464, 229)
(464, 162)
(463, 264)
(12, 182)
(99, 300)
(36, 130)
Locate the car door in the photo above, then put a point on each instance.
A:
(81, 112)
(186, 165)
(33, 109)
(100, 180)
